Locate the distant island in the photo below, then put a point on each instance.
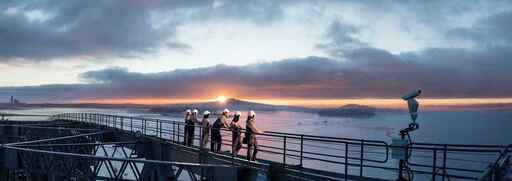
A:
(349, 110)
(232, 104)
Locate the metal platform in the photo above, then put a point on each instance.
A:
(90, 146)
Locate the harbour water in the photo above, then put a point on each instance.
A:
(453, 127)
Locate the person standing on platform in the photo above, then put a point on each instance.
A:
(192, 128)
(236, 140)
(188, 119)
(205, 126)
(250, 136)
(220, 123)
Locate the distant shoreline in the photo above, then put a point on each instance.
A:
(475, 107)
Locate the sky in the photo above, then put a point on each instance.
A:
(165, 51)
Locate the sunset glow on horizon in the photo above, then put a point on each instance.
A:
(313, 103)
(221, 99)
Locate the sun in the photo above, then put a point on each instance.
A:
(221, 99)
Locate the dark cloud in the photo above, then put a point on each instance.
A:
(490, 31)
(366, 72)
(80, 28)
(118, 28)
(341, 38)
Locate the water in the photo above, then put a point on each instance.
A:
(457, 127)
(445, 127)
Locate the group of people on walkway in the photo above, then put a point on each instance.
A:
(213, 131)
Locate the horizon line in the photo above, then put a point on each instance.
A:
(309, 103)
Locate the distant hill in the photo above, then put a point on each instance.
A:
(231, 104)
(349, 110)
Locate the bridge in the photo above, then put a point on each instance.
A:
(92, 146)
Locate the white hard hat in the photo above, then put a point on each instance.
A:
(238, 113)
(226, 111)
(206, 112)
(188, 111)
(252, 113)
(195, 111)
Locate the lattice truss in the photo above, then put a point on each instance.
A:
(81, 154)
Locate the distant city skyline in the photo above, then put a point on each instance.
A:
(291, 52)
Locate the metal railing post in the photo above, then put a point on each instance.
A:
(444, 161)
(361, 161)
(284, 152)
(156, 129)
(160, 129)
(131, 124)
(346, 161)
(144, 126)
(301, 149)
(200, 137)
(434, 165)
(173, 131)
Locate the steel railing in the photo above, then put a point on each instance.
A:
(338, 157)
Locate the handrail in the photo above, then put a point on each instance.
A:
(357, 152)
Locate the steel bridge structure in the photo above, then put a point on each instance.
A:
(92, 146)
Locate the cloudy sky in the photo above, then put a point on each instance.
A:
(158, 51)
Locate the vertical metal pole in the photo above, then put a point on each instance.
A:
(200, 137)
(145, 126)
(284, 152)
(122, 123)
(156, 129)
(131, 124)
(301, 148)
(346, 161)
(174, 131)
(434, 166)
(361, 161)
(178, 134)
(160, 129)
(444, 161)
